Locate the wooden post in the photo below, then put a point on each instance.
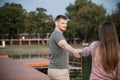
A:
(3, 43)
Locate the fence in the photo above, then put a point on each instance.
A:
(33, 41)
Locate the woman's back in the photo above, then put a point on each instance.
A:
(98, 72)
(105, 54)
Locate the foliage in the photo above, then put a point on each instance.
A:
(11, 22)
(86, 15)
(115, 18)
(15, 20)
(38, 22)
(86, 67)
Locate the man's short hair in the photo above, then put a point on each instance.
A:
(61, 17)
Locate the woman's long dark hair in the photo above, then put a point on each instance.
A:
(109, 46)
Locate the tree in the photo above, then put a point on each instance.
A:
(38, 22)
(87, 16)
(115, 18)
(30, 22)
(12, 20)
(42, 19)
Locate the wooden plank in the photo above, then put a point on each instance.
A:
(14, 70)
(4, 56)
(35, 62)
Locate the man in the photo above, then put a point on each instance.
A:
(59, 51)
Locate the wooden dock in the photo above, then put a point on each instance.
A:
(15, 70)
(24, 68)
(35, 62)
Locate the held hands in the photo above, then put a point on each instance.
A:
(77, 53)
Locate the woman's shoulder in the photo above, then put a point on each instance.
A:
(95, 47)
(95, 44)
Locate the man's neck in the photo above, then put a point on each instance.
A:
(58, 30)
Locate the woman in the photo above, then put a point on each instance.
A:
(105, 54)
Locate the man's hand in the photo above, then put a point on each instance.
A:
(77, 53)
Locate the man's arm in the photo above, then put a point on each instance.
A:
(63, 44)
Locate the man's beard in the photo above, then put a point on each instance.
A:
(62, 30)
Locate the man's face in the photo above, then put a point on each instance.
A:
(61, 24)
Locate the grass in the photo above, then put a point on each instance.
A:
(24, 49)
(27, 47)
(43, 49)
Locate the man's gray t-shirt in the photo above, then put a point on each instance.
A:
(59, 58)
